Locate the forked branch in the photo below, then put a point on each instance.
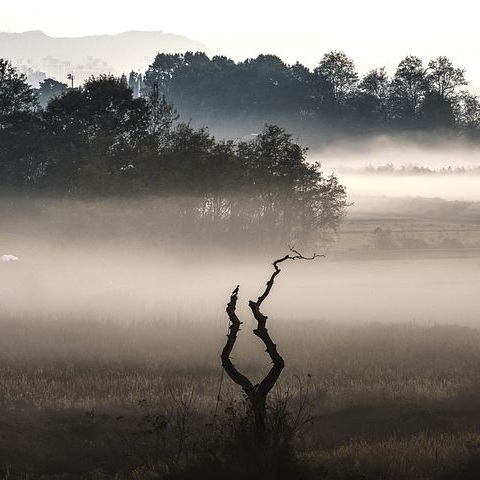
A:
(257, 394)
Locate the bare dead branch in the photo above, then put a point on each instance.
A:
(257, 394)
(297, 256)
(234, 328)
(262, 332)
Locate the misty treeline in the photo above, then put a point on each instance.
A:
(332, 97)
(99, 140)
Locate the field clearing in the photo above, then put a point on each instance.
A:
(382, 226)
(88, 364)
(369, 383)
(104, 351)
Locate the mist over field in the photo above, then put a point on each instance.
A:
(405, 167)
(109, 260)
(119, 284)
(240, 269)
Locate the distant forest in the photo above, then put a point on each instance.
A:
(100, 141)
(331, 98)
(123, 136)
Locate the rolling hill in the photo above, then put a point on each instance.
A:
(34, 52)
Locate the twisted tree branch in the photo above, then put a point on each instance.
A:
(262, 332)
(296, 256)
(257, 394)
(234, 328)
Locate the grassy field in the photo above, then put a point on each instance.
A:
(110, 360)
(410, 227)
(94, 399)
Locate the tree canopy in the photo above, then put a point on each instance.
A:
(113, 136)
(99, 139)
(331, 97)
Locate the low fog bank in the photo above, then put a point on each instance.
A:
(115, 283)
(432, 151)
(448, 187)
(119, 260)
(404, 166)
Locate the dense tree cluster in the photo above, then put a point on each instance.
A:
(332, 96)
(101, 140)
(114, 136)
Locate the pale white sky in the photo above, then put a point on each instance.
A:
(372, 32)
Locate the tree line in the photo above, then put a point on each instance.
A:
(100, 140)
(118, 136)
(331, 96)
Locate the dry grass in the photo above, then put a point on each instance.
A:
(386, 401)
(80, 363)
(423, 455)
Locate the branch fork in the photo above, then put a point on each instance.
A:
(257, 394)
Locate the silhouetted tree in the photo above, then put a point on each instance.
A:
(162, 113)
(95, 131)
(444, 78)
(16, 95)
(468, 112)
(162, 71)
(272, 86)
(292, 199)
(338, 71)
(257, 394)
(375, 87)
(20, 129)
(443, 81)
(49, 89)
(408, 89)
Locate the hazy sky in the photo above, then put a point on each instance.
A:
(373, 32)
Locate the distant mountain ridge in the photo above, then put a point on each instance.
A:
(91, 55)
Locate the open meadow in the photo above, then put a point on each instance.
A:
(111, 358)
(89, 398)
